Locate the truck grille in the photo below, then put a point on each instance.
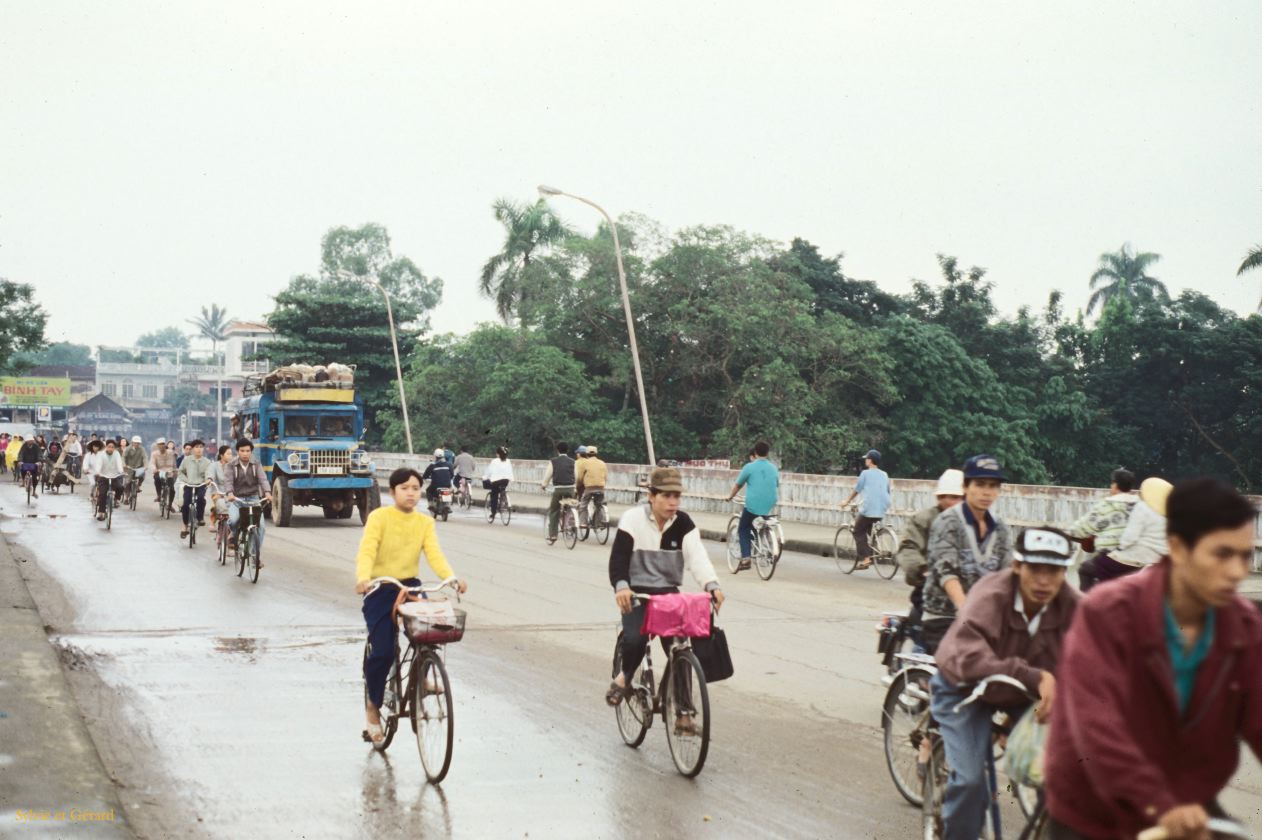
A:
(330, 462)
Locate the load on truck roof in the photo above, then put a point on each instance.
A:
(308, 378)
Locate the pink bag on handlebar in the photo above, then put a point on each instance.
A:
(678, 614)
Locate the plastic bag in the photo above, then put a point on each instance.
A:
(1023, 758)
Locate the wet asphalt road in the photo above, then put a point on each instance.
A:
(226, 709)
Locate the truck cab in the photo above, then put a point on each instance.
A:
(308, 437)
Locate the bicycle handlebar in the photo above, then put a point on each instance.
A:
(1217, 825)
(378, 582)
(993, 679)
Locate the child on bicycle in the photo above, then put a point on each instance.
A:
(1013, 623)
(392, 542)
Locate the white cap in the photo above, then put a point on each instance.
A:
(438, 453)
(950, 483)
(160, 440)
(135, 438)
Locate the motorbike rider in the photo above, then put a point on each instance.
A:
(438, 474)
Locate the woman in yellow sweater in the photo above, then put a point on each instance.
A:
(393, 540)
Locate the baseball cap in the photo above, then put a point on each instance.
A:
(591, 450)
(438, 453)
(160, 440)
(984, 466)
(666, 479)
(874, 456)
(1049, 546)
(582, 450)
(135, 438)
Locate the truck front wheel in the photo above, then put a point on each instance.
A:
(282, 502)
(369, 501)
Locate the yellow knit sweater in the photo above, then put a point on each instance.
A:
(392, 544)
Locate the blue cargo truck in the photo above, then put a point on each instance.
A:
(308, 436)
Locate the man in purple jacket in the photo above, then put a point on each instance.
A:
(1012, 623)
(1161, 678)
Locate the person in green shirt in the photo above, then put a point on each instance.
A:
(194, 471)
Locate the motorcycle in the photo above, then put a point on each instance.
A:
(440, 505)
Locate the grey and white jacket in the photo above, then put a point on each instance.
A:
(954, 554)
(651, 561)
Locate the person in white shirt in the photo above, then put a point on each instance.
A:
(108, 472)
(1143, 542)
(498, 474)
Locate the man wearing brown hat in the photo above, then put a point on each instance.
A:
(655, 541)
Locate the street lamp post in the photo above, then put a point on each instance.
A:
(394, 341)
(626, 309)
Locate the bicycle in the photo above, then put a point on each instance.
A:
(882, 540)
(937, 773)
(464, 499)
(597, 520)
(134, 483)
(223, 536)
(166, 495)
(567, 526)
(765, 549)
(249, 539)
(505, 507)
(28, 482)
(428, 625)
(681, 696)
(109, 501)
(192, 510)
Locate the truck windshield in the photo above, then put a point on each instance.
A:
(336, 425)
(323, 425)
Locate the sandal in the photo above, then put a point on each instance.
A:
(685, 725)
(374, 734)
(615, 694)
(865, 563)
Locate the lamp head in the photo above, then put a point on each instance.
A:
(544, 189)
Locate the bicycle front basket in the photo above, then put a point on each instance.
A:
(432, 622)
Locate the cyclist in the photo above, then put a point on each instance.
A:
(965, 542)
(448, 455)
(438, 474)
(561, 474)
(913, 551)
(218, 474)
(74, 452)
(245, 483)
(592, 473)
(465, 468)
(874, 486)
(1160, 679)
(496, 478)
(134, 460)
(389, 548)
(1101, 528)
(1013, 623)
(194, 470)
(28, 457)
(11, 454)
(762, 482)
(654, 543)
(107, 471)
(162, 465)
(1143, 540)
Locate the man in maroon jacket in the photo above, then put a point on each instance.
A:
(1161, 675)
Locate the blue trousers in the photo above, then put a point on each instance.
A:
(966, 737)
(383, 638)
(745, 531)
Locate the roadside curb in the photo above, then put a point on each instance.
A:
(51, 775)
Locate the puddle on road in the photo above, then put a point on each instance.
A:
(237, 644)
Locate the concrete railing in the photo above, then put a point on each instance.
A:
(814, 499)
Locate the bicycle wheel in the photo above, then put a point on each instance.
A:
(845, 552)
(885, 552)
(635, 712)
(686, 713)
(932, 792)
(192, 526)
(222, 534)
(490, 517)
(506, 511)
(242, 553)
(767, 554)
(256, 558)
(733, 544)
(131, 498)
(904, 716)
(569, 530)
(432, 716)
(601, 524)
(29, 487)
(109, 511)
(389, 703)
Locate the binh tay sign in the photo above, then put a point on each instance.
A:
(34, 390)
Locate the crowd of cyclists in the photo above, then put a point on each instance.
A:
(1148, 684)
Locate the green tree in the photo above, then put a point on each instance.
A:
(511, 276)
(57, 353)
(861, 301)
(1252, 260)
(22, 323)
(187, 398)
(1124, 273)
(164, 338)
(339, 317)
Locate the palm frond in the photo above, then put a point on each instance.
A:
(1251, 261)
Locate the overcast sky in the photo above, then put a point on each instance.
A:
(157, 156)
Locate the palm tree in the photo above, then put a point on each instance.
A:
(212, 324)
(1124, 274)
(1252, 260)
(530, 229)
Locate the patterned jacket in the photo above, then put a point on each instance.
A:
(954, 554)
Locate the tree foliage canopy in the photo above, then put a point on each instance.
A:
(22, 323)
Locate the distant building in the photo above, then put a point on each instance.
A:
(246, 339)
(101, 415)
